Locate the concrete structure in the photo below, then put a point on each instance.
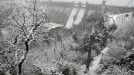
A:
(70, 13)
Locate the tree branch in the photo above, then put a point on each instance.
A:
(2, 53)
(43, 19)
(15, 40)
(24, 20)
(16, 21)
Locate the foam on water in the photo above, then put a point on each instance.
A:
(95, 63)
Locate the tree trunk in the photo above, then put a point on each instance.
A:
(88, 59)
(19, 69)
(19, 64)
(89, 43)
(89, 48)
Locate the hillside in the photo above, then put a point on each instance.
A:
(62, 51)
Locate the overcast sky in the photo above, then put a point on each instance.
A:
(109, 2)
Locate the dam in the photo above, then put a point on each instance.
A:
(70, 14)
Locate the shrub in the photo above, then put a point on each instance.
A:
(77, 57)
(115, 70)
(93, 17)
(53, 68)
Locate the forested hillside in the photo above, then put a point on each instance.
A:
(32, 44)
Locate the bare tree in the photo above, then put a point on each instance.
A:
(27, 23)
